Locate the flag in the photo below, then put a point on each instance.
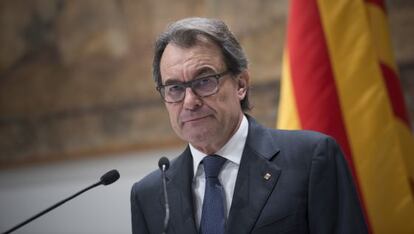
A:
(340, 78)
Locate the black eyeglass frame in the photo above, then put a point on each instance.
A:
(189, 84)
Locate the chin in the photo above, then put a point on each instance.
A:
(198, 137)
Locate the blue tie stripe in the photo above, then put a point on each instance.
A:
(213, 219)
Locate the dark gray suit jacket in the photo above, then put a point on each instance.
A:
(310, 189)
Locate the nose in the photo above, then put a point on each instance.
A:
(191, 100)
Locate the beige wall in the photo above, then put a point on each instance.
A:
(75, 76)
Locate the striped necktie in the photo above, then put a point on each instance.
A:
(213, 219)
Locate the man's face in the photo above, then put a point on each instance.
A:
(209, 122)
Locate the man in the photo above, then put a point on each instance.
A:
(236, 176)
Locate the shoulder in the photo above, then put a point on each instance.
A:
(147, 186)
(305, 142)
(300, 137)
(256, 128)
(292, 144)
(151, 184)
(308, 149)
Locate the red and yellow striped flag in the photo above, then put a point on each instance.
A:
(340, 78)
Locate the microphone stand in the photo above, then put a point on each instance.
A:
(164, 164)
(106, 179)
(167, 207)
(50, 208)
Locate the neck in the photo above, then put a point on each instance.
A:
(211, 147)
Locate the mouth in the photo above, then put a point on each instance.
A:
(194, 119)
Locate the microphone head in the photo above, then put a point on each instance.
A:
(164, 162)
(110, 177)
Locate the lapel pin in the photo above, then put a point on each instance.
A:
(267, 176)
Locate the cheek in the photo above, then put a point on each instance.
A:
(229, 100)
(173, 113)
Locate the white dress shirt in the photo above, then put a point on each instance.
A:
(232, 151)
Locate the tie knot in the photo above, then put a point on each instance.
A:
(212, 165)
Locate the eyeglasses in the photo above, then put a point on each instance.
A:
(202, 87)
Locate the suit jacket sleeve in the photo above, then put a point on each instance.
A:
(333, 201)
(138, 221)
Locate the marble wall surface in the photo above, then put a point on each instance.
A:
(75, 76)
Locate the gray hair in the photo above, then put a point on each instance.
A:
(188, 32)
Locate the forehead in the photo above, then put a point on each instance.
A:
(178, 61)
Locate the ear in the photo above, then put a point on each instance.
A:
(243, 80)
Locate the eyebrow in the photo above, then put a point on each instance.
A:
(201, 72)
(204, 71)
(172, 81)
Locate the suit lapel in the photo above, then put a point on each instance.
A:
(256, 179)
(179, 181)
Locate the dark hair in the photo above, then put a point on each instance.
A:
(188, 32)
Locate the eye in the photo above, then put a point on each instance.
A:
(203, 82)
(174, 88)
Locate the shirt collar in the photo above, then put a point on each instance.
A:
(231, 151)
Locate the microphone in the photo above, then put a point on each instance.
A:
(164, 164)
(108, 178)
